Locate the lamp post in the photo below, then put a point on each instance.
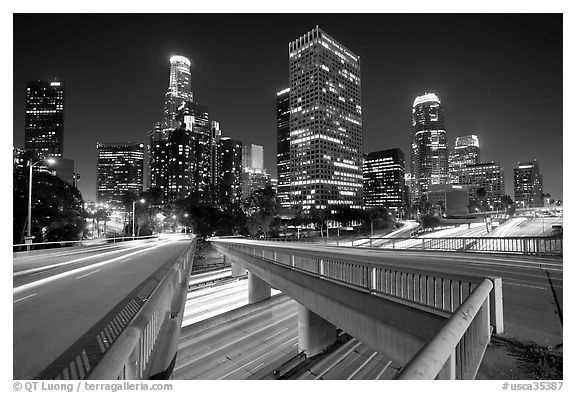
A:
(28, 239)
(134, 215)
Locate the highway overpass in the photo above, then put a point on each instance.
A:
(436, 324)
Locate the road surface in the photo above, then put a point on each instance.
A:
(58, 297)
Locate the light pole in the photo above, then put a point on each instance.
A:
(134, 214)
(186, 224)
(28, 239)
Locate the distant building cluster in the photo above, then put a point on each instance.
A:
(320, 159)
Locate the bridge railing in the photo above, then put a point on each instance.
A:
(141, 340)
(72, 243)
(474, 303)
(504, 245)
(515, 245)
(456, 351)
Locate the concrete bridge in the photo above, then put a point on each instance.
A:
(436, 324)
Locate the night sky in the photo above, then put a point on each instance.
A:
(498, 76)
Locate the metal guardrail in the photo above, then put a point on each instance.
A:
(514, 245)
(141, 340)
(505, 245)
(70, 243)
(458, 348)
(425, 289)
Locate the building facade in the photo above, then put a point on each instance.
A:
(254, 176)
(383, 178)
(466, 152)
(229, 184)
(429, 153)
(325, 123)
(283, 146)
(488, 176)
(44, 119)
(450, 199)
(120, 170)
(158, 160)
(528, 184)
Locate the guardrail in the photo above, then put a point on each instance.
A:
(429, 290)
(504, 245)
(141, 340)
(457, 350)
(71, 243)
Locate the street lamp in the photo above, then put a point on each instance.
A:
(134, 214)
(28, 239)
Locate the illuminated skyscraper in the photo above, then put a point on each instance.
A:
(528, 186)
(489, 176)
(44, 120)
(283, 146)
(120, 169)
(179, 90)
(383, 173)
(429, 154)
(254, 176)
(325, 123)
(230, 171)
(466, 152)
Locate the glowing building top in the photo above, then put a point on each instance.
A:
(426, 97)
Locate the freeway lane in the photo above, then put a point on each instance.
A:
(52, 310)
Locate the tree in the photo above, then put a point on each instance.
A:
(481, 195)
(260, 210)
(57, 213)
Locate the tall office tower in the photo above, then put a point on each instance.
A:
(230, 171)
(158, 160)
(254, 176)
(411, 186)
(429, 153)
(181, 164)
(325, 123)
(466, 152)
(179, 91)
(528, 186)
(120, 169)
(215, 162)
(253, 157)
(44, 120)
(283, 146)
(489, 176)
(194, 118)
(383, 173)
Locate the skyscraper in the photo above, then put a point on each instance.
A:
(325, 123)
(383, 173)
(44, 119)
(230, 171)
(283, 146)
(158, 159)
(429, 153)
(120, 169)
(466, 152)
(179, 90)
(254, 175)
(488, 176)
(195, 118)
(528, 186)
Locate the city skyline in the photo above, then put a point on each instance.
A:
(491, 72)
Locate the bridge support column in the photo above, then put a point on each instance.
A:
(258, 289)
(314, 332)
(237, 270)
